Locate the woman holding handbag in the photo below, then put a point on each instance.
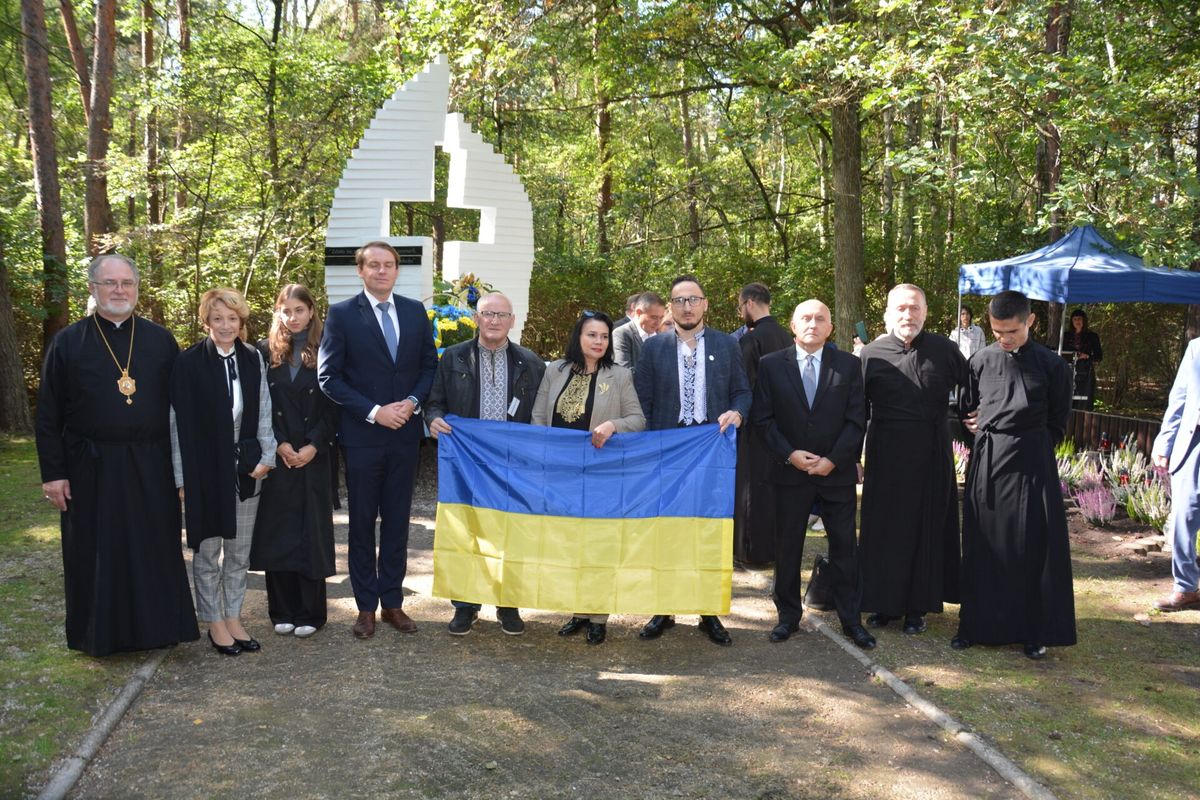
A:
(222, 445)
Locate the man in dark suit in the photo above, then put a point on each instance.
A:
(377, 361)
(488, 377)
(754, 517)
(648, 313)
(810, 410)
(691, 378)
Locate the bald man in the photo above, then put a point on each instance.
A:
(908, 549)
(810, 412)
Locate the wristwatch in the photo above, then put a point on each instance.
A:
(416, 404)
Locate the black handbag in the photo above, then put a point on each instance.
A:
(819, 594)
(249, 454)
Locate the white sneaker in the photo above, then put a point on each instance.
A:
(284, 628)
(304, 631)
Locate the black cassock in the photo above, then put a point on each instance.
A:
(908, 545)
(754, 524)
(123, 572)
(1017, 586)
(294, 528)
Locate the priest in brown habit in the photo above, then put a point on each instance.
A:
(104, 448)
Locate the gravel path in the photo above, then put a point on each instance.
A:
(537, 716)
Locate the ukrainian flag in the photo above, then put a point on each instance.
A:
(535, 517)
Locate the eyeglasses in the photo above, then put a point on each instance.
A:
(497, 315)
(692, 302)
(111, 284)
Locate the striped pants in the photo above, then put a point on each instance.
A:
(221, 582)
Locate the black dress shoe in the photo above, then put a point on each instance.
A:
(596, 632)
(715, 630)
(960, 642)
(858, 634)
(784, 630)
(879, 620)
(250, 645)
(574, 625)
(914, 624)
(225, 649)
(1035, 652)
(655, 627)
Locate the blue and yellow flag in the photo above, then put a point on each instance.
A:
(535, 517)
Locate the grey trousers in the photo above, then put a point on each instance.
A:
(224, 579)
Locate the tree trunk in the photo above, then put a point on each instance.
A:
(78, 56)
(937, 215)
(1193, 311)
(1049, 159)
(907, 270)
(604, 198)
(14, 398)
(848, 266)
(45, 169)
(887, 210)
(97, 214)
(273, 125)
(154, 266)
(693, 180)
(183, 129)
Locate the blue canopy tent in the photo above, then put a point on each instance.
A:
(1081, 267)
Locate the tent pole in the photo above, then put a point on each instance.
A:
(1062, 328)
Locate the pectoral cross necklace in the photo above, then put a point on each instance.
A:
(125, 384)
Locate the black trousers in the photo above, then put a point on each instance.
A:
(838, 506)
(295, 598)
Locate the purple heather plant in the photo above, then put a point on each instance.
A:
(1096, 503)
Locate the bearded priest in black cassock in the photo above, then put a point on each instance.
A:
(1016, 577)
(104, 449)
(908, 546)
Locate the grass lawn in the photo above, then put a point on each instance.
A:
(1116, 716)
(50, 694)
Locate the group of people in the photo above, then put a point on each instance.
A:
(205, 426)
(246, 438)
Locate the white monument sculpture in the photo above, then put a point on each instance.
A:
(394, 162)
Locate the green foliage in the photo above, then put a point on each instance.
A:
(953, 97)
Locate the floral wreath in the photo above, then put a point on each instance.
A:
(453, 318)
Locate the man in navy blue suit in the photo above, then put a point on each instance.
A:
(692, 377)
(377, 361)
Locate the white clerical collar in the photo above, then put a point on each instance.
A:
(224, 353)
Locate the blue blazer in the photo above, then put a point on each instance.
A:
(355, 371)
(657, 379)
(1178, 436)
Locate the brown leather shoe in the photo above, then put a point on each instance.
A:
(398, 620)
(364, 628)
(1179, 601)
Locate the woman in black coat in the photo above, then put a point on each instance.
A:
(222, 446)
(293, 536)
(1081, 346)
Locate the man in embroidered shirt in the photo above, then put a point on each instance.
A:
(691, 378)
(486, 378)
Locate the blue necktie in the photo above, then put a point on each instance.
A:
(809, 378)
(389, 330)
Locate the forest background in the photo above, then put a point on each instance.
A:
(827, 148)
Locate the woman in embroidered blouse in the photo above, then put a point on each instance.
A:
(222, 445)
(586, 391)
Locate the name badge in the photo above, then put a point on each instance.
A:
(513, 406)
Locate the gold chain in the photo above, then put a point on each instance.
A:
(125, 384)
